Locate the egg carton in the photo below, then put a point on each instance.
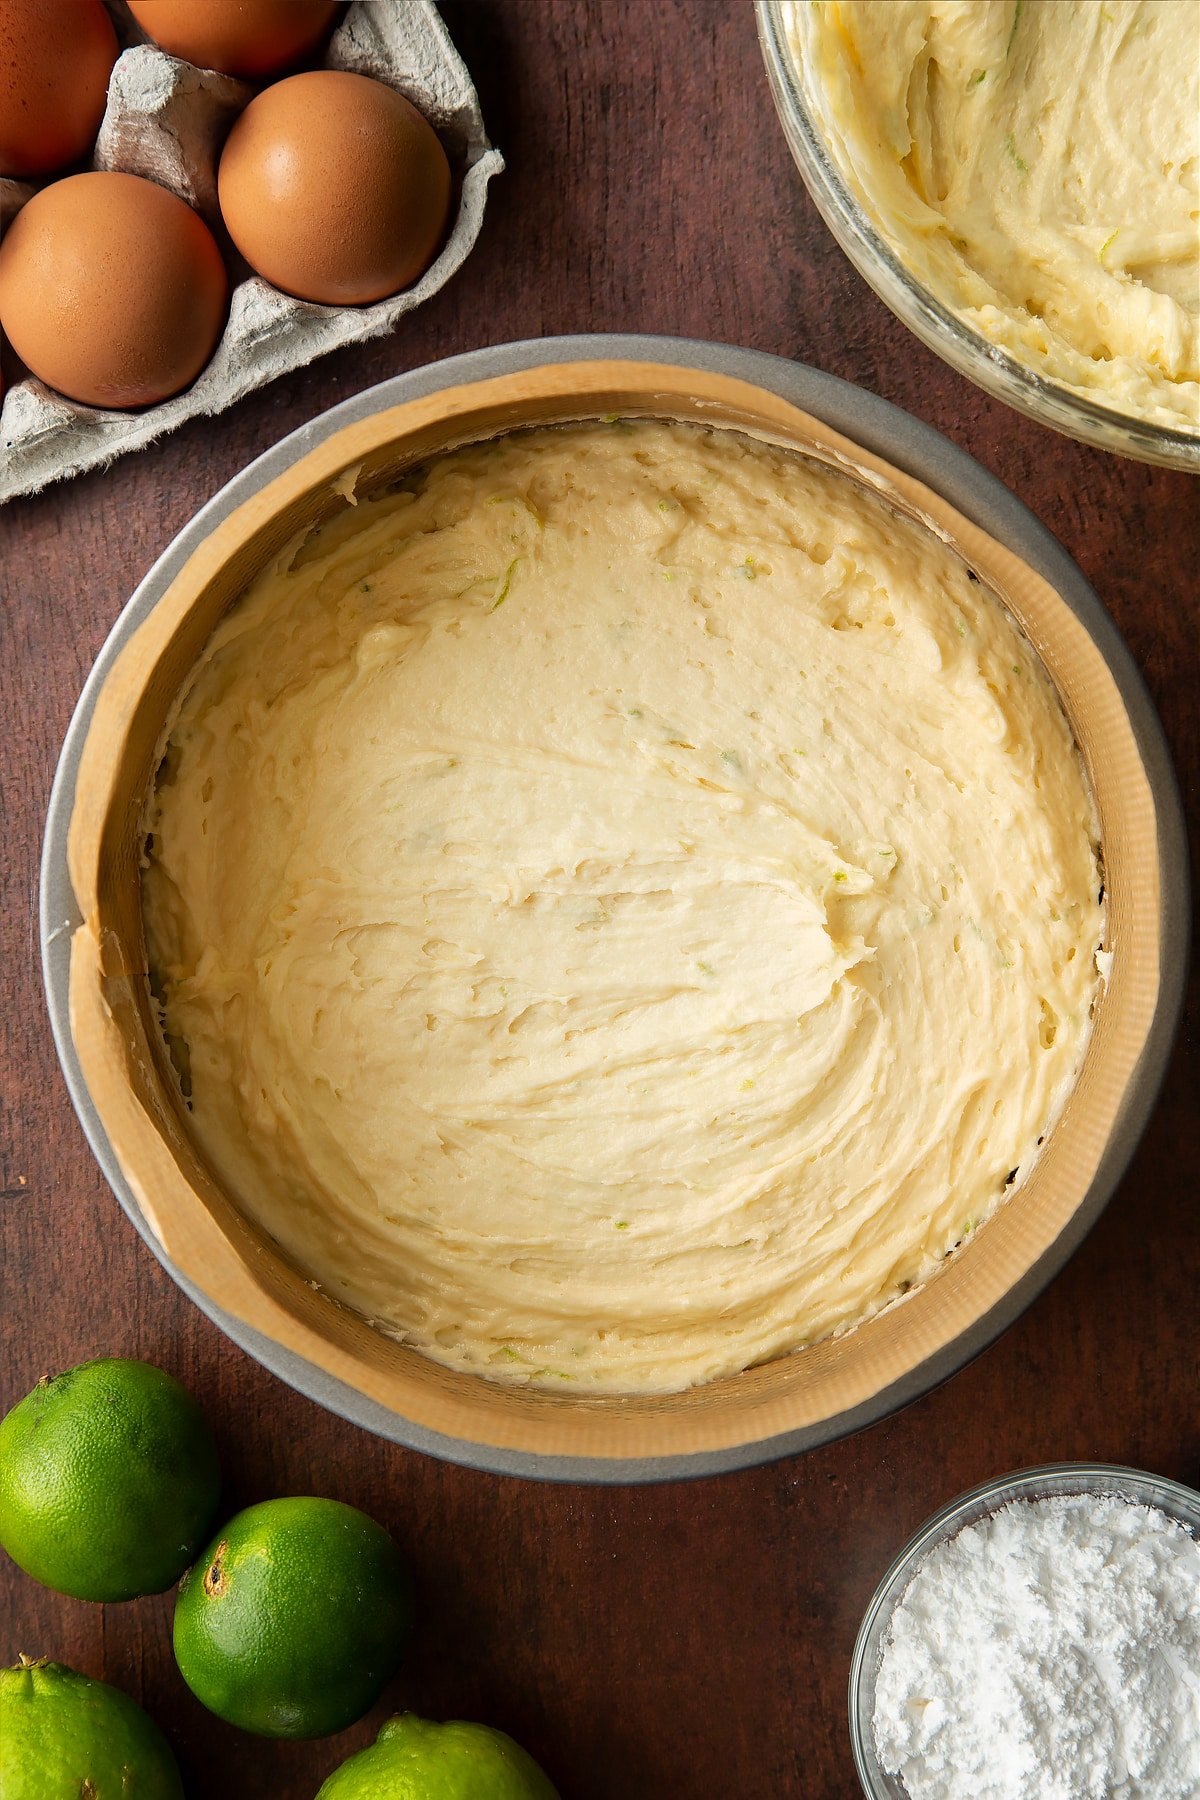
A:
(167, 119)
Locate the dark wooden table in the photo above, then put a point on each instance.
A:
(688, 1642)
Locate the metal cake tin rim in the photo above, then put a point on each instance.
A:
(910, 445)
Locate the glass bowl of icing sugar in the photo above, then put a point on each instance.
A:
(1038, 1639)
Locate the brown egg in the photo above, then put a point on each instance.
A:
(111, 290)
(55, 60)
(251, 38)
(335, 188)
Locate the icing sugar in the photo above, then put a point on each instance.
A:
(1049, 1652)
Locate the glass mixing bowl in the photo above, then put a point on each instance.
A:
(1136, 1485)
(973, 355)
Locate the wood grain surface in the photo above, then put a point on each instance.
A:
(688, 1642)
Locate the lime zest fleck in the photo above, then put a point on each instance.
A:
(505, 582)
(1018, 160)
(706, 968)
(840, 875)
(1108, 243)
(747, 569)
(1017, 11)
(977, 77)
(621, 1225)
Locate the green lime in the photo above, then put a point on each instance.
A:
(294, 1618)
(414, 1759)
(108, 1480)
(66, 1737)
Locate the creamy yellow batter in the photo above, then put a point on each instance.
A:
(1036, 165)
(628, 901)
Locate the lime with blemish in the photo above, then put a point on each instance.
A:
(294, 1618)
(64, 1736)
(414, 1759)
(109, 1480)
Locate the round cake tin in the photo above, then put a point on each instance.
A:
(539, 1437)
(1049, 1481)
(1005, 376)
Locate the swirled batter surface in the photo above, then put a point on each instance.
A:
(625, 904)
(1036, 165)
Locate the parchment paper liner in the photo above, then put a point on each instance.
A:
(244, 1273)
